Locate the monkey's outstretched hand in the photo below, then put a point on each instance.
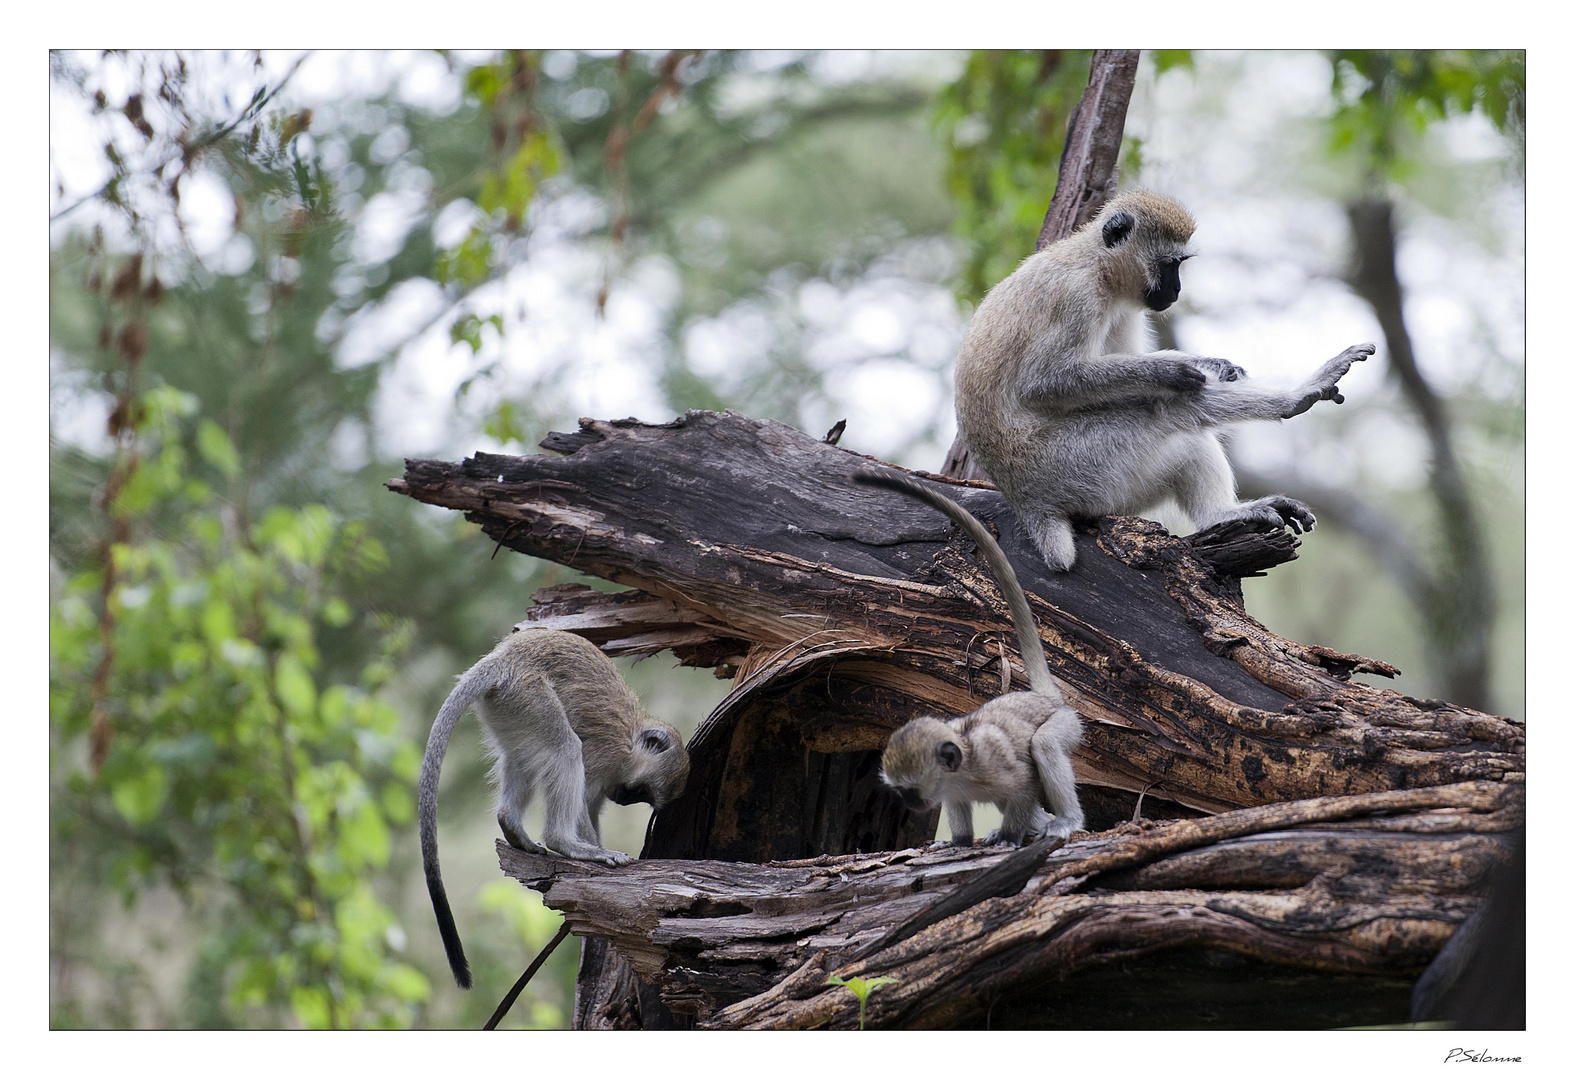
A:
(1323, 386)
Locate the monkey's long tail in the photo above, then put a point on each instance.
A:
(475, 682)
(1028, 642)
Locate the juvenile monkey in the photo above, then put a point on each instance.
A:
(1014, 751)
(1069, 413)
(558, 718)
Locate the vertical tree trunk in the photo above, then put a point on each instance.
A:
(1456, 599)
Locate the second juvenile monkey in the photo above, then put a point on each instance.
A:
(561, 721)
(1067, 410)
(1014, 751)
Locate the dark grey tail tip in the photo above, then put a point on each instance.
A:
(462, 975)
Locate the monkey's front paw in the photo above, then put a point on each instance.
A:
(1223, 370)
(997, 836)
(1324, 385)
(1357, 352)
(1180, 377)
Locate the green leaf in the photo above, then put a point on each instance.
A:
(336, 612)
(140, 797)
(214, 444)
(311, 1007)
(295, 688)
(406, 983)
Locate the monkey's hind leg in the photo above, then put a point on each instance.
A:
(1051, 749)
(1206, 490)
(514, 794)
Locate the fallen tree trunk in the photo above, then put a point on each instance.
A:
(845, 612)
(1322, 889)
(842, 612)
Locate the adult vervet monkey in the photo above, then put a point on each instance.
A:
(1067, 410)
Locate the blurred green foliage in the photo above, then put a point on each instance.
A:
(1004, 124)
(263, 793)
(1387, 98)
(261, 672)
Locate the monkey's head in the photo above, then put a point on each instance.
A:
(1144, 238)
(920, 760)
(657, 770)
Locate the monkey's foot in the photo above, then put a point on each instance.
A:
(1061, 828)
(996, 836)
(592, 853)
(1275, 511)
(518, 839)
(610, 857)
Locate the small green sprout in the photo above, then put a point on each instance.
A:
(859, 988)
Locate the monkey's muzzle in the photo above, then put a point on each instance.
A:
(1168, 289)
(911, 799)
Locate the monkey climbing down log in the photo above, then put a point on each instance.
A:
(558, 719)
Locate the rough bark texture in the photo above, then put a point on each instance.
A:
(1086, 178)
(1323, 889)
(843, 612)
(846, 611)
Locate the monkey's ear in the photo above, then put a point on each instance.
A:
(949, 756)
(656, 740)
(1117, 228)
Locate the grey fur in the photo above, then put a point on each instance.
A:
(1067, 410)
(1014, 751)
(557, 717)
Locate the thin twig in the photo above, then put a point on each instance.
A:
(535, 965)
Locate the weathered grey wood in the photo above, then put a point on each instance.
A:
(1368, 885)
(861, 610)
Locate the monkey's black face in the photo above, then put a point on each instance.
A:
(911, 799)
(628, 794)
(1167, 289)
